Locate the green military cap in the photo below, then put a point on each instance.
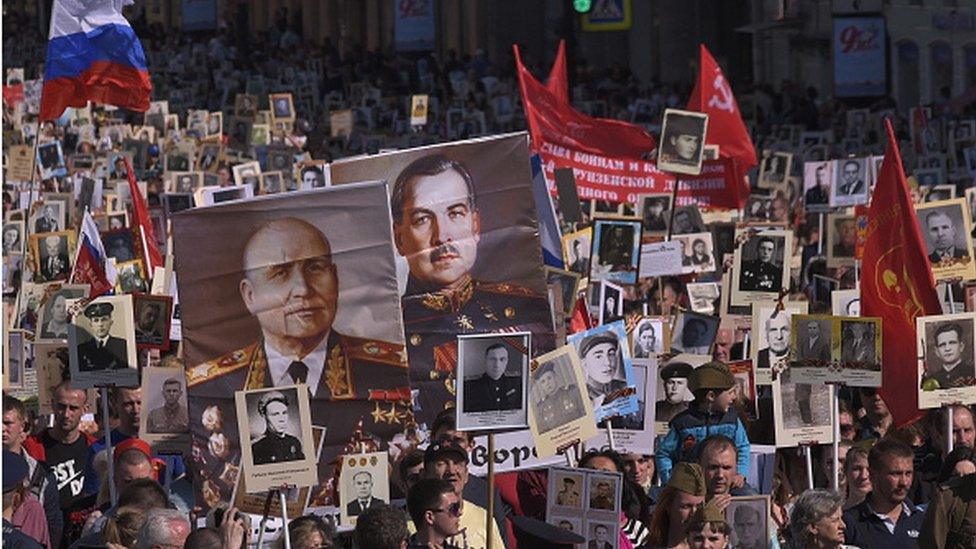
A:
(708, 513)
(594, 340)
(713, 375)
(688, 478)
(676, 369)
(99, 309)
(683, 125)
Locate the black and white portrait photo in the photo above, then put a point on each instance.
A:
(771, 337)
(682, 141)
(152, 320)
(760, 272)
(164, 396)
(946, 227)
(568, 487)
(187, 182)
(616, 251)
(282, 106)
(48, 218)
(697, 254)
(774, 170)
(277, 425)
(749, 518)
(271, 182)
(363, 484)
(494, 370)
(817, 181)
(611, 302)
(947, 372)
(176, 202)
(13, 237)
(313, 176)
(841, 240)
(52, 251)
(655, 210)
(672, 390)
(605, 357)
(850, 182)
(687, 220)
(576, 249)
(119, 245)
(557, 400)
(602, 492)
(102, 343)
(15, 358)
(648, 337)
(568, 285)
(705, 297)
(52, 320)
(694, 333)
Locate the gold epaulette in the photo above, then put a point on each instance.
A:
(230, 362)
(508, 289)
(374, 350)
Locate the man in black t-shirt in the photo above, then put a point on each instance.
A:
(64, 448)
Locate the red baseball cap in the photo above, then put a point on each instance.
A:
(132, 444)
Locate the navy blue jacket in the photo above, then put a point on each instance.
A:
(863, 528)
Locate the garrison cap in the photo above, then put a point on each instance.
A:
(713, 375)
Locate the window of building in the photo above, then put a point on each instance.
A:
(940, 68)
(969, 55)
(908, 72)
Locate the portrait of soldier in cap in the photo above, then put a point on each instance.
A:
(171, 417)
(602, 366)
(102, 351)
(556, 403)
(682, 140)
(674, 377)
(569, 494)
(276, 444)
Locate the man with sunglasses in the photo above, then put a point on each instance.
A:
(436, 510)
(447, 461)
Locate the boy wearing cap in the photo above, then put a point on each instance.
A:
(711, 413)
(708, 528)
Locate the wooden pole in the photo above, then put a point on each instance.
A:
(490, 515)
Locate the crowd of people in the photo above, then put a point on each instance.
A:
(896, 485)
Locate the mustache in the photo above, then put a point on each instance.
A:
(444, 249)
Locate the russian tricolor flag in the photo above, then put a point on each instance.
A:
(93, 55)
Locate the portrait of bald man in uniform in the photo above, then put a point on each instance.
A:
(288, 289)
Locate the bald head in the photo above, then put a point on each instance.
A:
(290, 284)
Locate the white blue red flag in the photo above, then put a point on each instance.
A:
(93, 55)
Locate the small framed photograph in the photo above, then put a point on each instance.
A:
(152, 318)
(276, 438)
(48, 217)
(493, 371)
(281, 159)
(119, 245)
(711, 152)
(132, 277)
(363, 484)
(774, 170)
(946, 368)
(801, 412)
(576, 252)
(682, 139)
(568, 488)
(704, 297)
(635, 432)
(53, 252)
(687, 220)
(694, 333)
(604, 353)
(655, 209)
(215, 125)
(418, 110)
(247, 173)
(696, 252)
(850, 182)
(841, 240)
(559, 410)
(928, 177)
(649, 338)
(771, 337)
(948, 238)
(271, 183)
(53, 315)
(165, 421)
(239, 132)
(818, 180)
(760, 270)
(938, 193)
(749, 518)
(845, 302)
(13, 237)
(282, 107)
(854, 356)
(208, 196)
(208, 156)
(604, 491)
(176, 202)
(50, 160)
(312, 175)
(51, 365)
(611, 302)
(260, 135)
(569, 285)
(615, 252)
(245, 105)
(606, 209)
(745, 387)
(15, 359)
(101, 341)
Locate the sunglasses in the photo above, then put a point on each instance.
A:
(454, 509)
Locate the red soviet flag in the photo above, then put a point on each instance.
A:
(557, 123)
(140, 212)
(713, 96)
(558, 82)
(896, 283)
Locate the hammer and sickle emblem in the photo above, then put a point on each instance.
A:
(727, 102)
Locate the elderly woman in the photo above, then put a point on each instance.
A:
(816, 522)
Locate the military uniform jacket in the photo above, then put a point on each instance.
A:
(946, 378)
(433, 320)
(162, 420)
(758, 276)
(559, 408)
(486, 394)
(274, 448)
(111, 356)
(362, 395)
